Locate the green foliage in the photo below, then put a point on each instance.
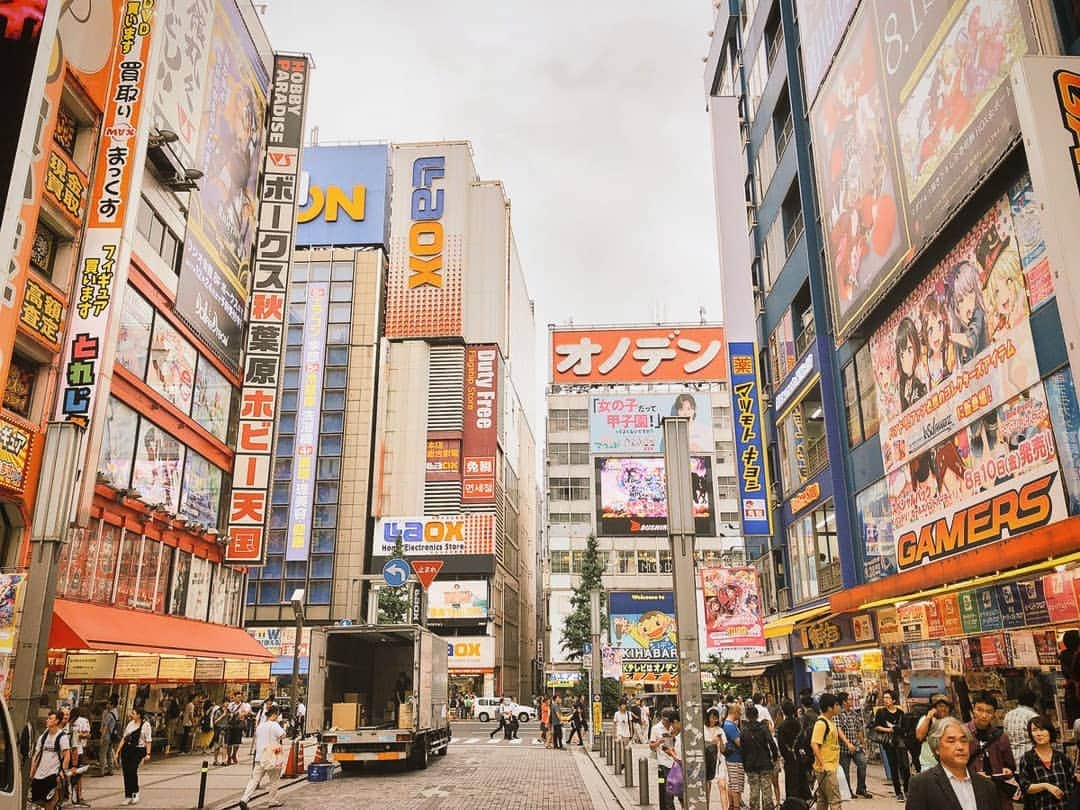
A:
(394, 603)
(577, 628)
(721, 671)
(611, 692)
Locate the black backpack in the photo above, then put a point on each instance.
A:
(804, 751)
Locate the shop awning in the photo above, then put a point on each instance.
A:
(778, 628)
(747, 672)
(84, 626)
(1027, 553)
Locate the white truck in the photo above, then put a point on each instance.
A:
(378, 693)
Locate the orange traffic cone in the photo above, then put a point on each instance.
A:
(290, 763)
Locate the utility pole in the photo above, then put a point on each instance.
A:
(680, 508)
(596, 680)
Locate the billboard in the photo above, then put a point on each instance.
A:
(912, 115)
(458, 599)
(479, 444)
(750, 457)
(344, 196)
(308, 411)
(821, 27)
(732, 607)
(631, 496)
(103, 257)
(959, 345)
(638, 355)
(471, 653)
(215, 272)
(642, 627)
(428, 211)
(441, 535)
(633, 423)
(442, 460)
(249, 499)
(873, 526)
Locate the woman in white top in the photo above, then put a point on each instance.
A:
(717, 773)
(134, 750)
(622, 723)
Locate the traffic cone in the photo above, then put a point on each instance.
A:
(290, 763)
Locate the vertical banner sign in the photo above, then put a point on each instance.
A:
(100, 260)
(308, 409)
(749, 441)
(248, 512)
(480, 437)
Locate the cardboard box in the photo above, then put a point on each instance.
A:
(405, 715)
(345, 715)
(352, 697)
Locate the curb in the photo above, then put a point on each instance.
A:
(613, 784)
(228, 804)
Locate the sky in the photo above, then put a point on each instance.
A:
(591, 112)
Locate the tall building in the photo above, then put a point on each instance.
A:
(890, 263)
(454, 450)
(132, 214)
(605, 475)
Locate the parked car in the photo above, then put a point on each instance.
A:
(488, 708)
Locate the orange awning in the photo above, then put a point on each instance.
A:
(84, 626)
(1048, 543)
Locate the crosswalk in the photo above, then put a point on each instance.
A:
(485, 740)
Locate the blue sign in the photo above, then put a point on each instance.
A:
(396, 572)
(587, 647)
(752, 466)
(346, 196)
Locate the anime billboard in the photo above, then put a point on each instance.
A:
(631, 496)
(634, 423)
(732, 608)
(642, 626)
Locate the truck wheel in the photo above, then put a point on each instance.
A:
(483, 717)
(442, 752)
(420, 754)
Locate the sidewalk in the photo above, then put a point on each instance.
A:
(629, 798)
(173, 782)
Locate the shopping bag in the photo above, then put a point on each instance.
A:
(674, 784)
(845, 788)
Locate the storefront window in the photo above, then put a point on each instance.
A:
(77, 565)
(202, 490)
(118, 443)
(19, 394)
(626, 562)
(172, 365)
(814, 554)
(873, 526)
(136, 323)
(127, 584)
(108, 550)
(158, 462)
(802, 445)
(213, 399)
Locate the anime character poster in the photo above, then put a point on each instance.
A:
(857, 182)
(732, 608)
(959, 345)
(632, 496)
(11, 586)
(642, 626)
(634, 423)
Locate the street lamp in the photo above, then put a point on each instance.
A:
(297, 601)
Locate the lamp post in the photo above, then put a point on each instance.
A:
(52, 517)
(596, 678)
(297, 601)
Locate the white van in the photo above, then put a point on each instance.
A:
(488, 708)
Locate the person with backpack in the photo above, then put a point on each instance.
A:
(889, 726)
(733, 753)
(219, 721)
(825, 742)
(759, 752)
(78, 731)
(991, 750)
(134, 750)
(51, 759)
(109, 737)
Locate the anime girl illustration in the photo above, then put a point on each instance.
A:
(949, 469)
(1004, 290)
(909, 363)
(964, 295)
(940, 355)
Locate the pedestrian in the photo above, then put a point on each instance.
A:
(1016, 723)
(577, 722)
(133, 751)
(219, 743)
(674, 751)
(187, 723)
(715, 764)
(852, 731)
(623, 720)
(51, 759)
(239, 710)
(301, 719)
(512, 722)
(545, 721)
(557, 723)
(269, 757)
(759, 752)
(733, 753)
(1047, 778)
(502, 722)
(645, 717)
(950, 784)
(636, 728)
(991, 751)
(174, 710)
(661, 741)
(889, 723)
(825, 742)
(940, 707)
(796, 782)
(78, 729)
(109, 736)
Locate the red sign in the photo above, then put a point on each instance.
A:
(426, 571)
(631, 355)
(481, 434)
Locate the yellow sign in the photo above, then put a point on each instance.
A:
(803, 499)
(16, 442)
(89, 667)
(236, 671)
(176, 669)
(597, 714)
(259, 671)
(136, 668)
(871, 661)
(209, 669)
(332, 201)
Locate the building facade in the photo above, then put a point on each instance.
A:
(886, 257)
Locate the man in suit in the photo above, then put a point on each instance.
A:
(949, 785)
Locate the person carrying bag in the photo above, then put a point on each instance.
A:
(133, 751)
(270, 756)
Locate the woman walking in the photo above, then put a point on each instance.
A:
(133, 751)
(715, 764)
(1047, 778)
(889, 731)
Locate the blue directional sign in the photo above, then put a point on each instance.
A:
(395, 572)
(586, 648)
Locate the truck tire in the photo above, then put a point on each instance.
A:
(483, 717)
(442, 752)
(420, 753)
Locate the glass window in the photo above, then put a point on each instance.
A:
(625, 562)
(320, 271)
(43, 249)
(276, 544)
(295, 336)
(128, 580)
(325, 517)
(337, 333)
(288, 400)
(213, 399)
(172, 365)
(851, 405)
(813, 553)
(159, 459)
(333, 422)
(322, 567)
(253, 592)
(296, 569)
(76, 564)
(118, 443)
(336, 378)
(67, 127)
(22, 379)
(326, 493)
(646, 562)
(340, 313)
(279, 518)
(328, 469)
(179, 591)
(201, 499)
(292, 356)
(334, 400)
(318, 593)
(287, 423)
(105, 558)
(330, 445)
(322, 541)
(282, 469)
(298, 293)
(341, 292)
(560, 562)
(341, 271)
(577, 559)
(299, 272)
(285, 446)
(337, 355)
(280, 495)
(864, 369)
(274, 567)
(269, 593)
(665, 561)
(579, 419)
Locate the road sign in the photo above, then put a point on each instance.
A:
(587, 648)
(427, 570)
(396, 572)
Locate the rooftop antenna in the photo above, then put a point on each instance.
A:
(701, 314)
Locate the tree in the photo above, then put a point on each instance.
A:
(394, 603)
(577, 628)
(721, 672)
